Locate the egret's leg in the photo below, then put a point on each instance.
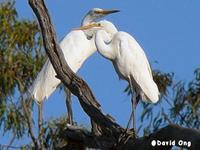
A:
(132, 116)
(133, 102)
(69, 107)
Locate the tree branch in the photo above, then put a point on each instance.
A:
(3, 146)
(11, 141)
(169, 133)
(76, 85)
(28, 116)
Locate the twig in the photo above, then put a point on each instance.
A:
(9, 146)
(28, 116)
(180, 115)
(11, 141)
(166, 118)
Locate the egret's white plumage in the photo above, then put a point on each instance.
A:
(129, 60)
(75, 54)
(76, 46)
(130, 63)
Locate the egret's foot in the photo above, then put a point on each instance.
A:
(129, 122)
(125, 136)
(133, 130)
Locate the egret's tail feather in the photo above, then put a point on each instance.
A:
(44, 84)
(148, 90)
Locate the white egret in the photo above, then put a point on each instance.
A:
(129, 61)
(76, 46)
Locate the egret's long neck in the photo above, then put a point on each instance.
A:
(92, 48)
(87, 20)
(103, 43)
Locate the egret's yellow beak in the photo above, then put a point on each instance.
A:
(106, 12)
(92, 25)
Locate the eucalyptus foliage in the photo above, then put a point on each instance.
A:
(20, 59)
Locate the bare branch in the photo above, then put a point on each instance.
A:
(180, 115)
(11, 141)
(168, 133)
(10, 147)
(76, 85)
(28, 116)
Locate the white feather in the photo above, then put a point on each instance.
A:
(129, 60)
(76, 49)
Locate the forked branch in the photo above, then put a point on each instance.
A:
(76, 85)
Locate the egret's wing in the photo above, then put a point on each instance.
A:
(45, 83)
(76, 49)
(139, 66)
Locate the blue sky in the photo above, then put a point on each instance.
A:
(169, 32)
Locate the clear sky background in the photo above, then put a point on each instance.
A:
(169, 32)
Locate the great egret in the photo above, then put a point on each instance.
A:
(129, 60)
(77, 46)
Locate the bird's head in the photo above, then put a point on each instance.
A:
(92, 16)
(99, 13)
(95, 14)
